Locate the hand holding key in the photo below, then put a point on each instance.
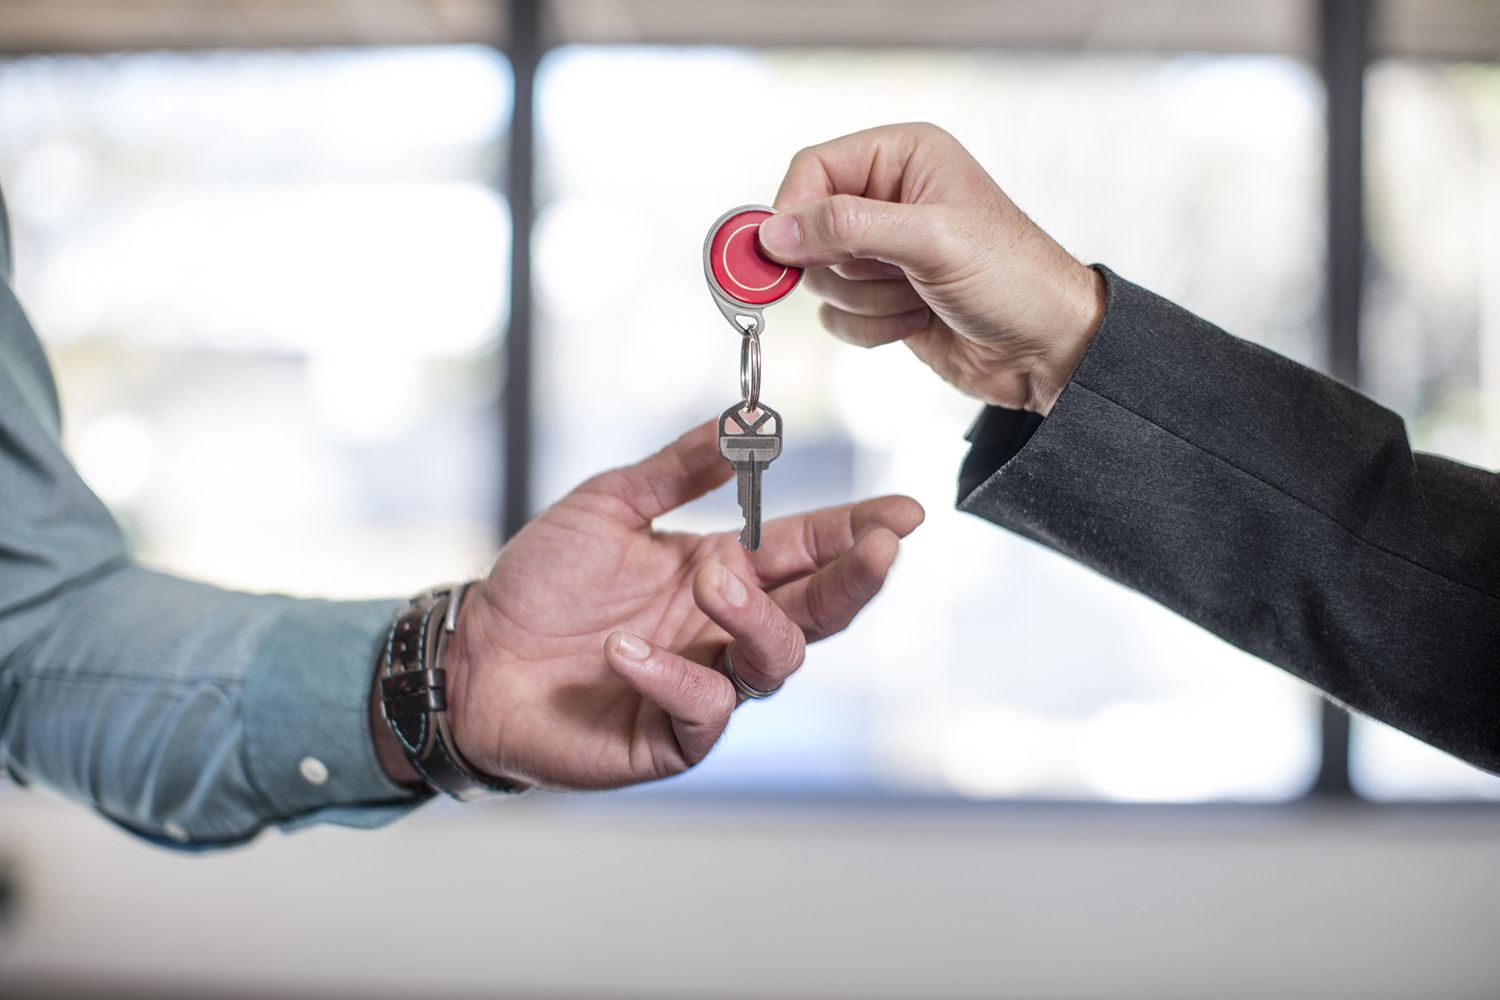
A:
(587, 658)
(908, 239)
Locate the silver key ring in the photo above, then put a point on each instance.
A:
(750, 367)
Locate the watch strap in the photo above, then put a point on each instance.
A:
(414, 696)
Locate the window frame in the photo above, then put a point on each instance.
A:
(1344, 29)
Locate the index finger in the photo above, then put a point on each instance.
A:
(870, 164)
(682, 471)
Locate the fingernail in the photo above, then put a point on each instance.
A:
(730, 588)
(632, 647)
(916, 319)
(781, 234)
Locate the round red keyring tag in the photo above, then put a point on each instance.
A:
(742, 278)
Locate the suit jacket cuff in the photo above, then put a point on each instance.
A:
(998, 435)
(1272, 505)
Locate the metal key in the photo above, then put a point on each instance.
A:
(750, 439)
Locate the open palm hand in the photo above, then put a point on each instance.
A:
(588, 657)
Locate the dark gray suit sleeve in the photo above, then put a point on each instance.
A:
(1272, 505)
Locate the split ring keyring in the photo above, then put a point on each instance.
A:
(750, 367)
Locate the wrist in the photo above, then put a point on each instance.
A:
(459, 664)
(417, 696)
(474, 728)
(1071, 326)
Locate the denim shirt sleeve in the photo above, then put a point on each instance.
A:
(185, 713)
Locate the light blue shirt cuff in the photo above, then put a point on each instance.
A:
(307, 715)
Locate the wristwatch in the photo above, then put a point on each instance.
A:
(414, 696)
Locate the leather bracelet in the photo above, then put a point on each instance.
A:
(414, 696)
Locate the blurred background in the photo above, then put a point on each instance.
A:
(277, 249)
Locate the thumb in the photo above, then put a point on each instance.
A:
(682, 471)
(832, 230)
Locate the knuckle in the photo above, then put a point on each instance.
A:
(656, 761)
(625, 487)
(821, 613)
(692, 688)
(607, 489)
(949, 236)
(842, 219)
(785, 649)
(665, 766)
(603, 482)
(795, 651)
(931, 132)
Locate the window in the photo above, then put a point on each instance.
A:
(1432, 321)
(990, 668)
(272, 284)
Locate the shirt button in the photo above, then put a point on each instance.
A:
(313, 770)
(175, 831)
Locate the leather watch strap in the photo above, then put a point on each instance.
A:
(414, 696)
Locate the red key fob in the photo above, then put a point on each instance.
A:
(741, 277)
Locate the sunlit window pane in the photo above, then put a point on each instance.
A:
(272, 284)
(1432, 321)
(989, 667)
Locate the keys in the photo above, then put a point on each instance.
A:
(750, 440)
(743, 281)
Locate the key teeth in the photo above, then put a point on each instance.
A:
(749, 452)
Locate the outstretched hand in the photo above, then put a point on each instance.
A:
(588, 657)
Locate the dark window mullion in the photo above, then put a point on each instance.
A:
(524, 48)
(1344, 52)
